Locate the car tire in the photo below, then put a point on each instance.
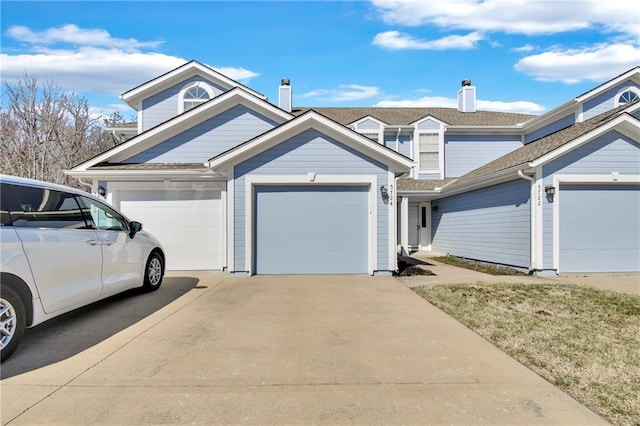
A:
(12, 321)
(153, 272)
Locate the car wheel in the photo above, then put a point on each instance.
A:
(12, 321)
(153, 272)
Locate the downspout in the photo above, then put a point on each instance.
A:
(534, 210)
(398, 140)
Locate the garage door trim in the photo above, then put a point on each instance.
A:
(596, 179)
(309, 179)
(116, 187)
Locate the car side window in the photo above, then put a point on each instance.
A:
(5, 192)
(103, 217)
(46, 208)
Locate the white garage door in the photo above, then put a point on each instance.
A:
(188, 223)
(312, 230)
(599, 228)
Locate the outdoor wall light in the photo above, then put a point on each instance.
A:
(550, 190)
(383, 192)
(101, 191)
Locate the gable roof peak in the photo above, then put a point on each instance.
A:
(174, 76)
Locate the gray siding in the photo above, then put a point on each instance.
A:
(208, 139)
(368, 124)
(612, 152)
(429, 176)
(309, 152)
(605, 101)
(164, 105)
(429, 125)
(560, 124)
(464, 153)
(491, 224)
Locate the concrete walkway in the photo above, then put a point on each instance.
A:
(285, 350)
(446, 274)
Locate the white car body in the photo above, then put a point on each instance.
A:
(58, 269)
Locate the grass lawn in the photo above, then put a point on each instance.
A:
(478, 266)
(583, 340)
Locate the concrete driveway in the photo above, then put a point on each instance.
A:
(276, 350)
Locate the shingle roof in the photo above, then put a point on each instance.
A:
(406, 116)
(538, 148)
(408, 184)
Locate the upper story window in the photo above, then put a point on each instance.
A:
(195, 94)
(429, 151)
(627, 95)
(371, 135)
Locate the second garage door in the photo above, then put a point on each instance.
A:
(188, 223)
(311, 230)
(599, 228)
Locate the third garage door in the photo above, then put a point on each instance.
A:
(311, 229)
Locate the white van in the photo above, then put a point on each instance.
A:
(62, 248)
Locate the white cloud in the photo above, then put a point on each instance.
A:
(597, 63)
(513, 16)
(72, 34)
(524, 107)
(344, 92)
(102, 64)
(396, 40)
(525, 48)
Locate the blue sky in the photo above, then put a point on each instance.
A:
(523, 56)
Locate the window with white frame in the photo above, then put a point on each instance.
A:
(627, 96)
(194, 95)
(429, 151)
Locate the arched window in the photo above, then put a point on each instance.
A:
(193, 95)
(627, 95)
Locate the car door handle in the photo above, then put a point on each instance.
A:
(93, 242)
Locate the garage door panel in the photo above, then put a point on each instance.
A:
(188, 223)
(599, 228)
(311, 230)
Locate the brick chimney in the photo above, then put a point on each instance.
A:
(467, 97)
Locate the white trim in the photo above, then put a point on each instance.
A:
(625, 122)
(184, 122)
(225, 224)
(379, 131)
(425, 243)
(613, 178)
(392, 222)
(311, 120)
(579, 115)
(251, 181)
(616, 99)
(416, 154)
(633, 74)
(538, 228)
(134, 96)
(231, 223)
(115, 189)
(203, 85)
(404, 225)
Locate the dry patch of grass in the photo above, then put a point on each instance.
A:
(478, 266)
(583, 340)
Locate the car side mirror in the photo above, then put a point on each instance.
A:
(134, 228)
